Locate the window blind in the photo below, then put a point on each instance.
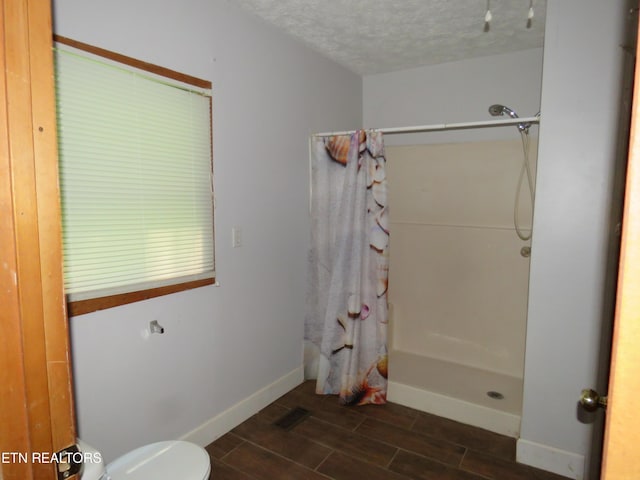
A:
(135, 178)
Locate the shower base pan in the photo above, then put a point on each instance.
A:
(469, 395)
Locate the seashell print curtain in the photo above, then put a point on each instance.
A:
(346, 318)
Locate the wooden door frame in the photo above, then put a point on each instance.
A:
(37, 411)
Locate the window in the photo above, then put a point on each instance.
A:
(136, 176)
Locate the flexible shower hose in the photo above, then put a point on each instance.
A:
(526, 169)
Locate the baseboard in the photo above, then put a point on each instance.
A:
(241, 411)
(454, 409)
(567, 464)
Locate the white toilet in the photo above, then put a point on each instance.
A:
(168, 460)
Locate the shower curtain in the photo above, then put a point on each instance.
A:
(346, 318)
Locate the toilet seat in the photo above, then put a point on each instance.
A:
(169, 460)
(174, 459)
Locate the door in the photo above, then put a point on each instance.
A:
(621, 455)
(36, 409)
(603, 355)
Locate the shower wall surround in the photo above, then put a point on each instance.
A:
(458, 281)
(473, 228)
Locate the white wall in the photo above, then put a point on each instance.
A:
(222, 344)
(454, 92)
(577, 152)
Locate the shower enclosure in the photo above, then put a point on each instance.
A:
(458, 277)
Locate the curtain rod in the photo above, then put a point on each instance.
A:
(442, 126)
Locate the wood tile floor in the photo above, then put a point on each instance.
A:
(374, 442)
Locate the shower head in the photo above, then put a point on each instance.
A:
(497, 110)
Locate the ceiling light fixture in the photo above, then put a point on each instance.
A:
(530, 14)
(488, 17)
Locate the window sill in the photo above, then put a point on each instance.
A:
(94, 304)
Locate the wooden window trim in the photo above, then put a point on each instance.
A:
(133, 62)
(82, 307)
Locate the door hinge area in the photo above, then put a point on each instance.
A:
(69, 462)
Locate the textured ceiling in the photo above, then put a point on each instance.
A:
(376, 36)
